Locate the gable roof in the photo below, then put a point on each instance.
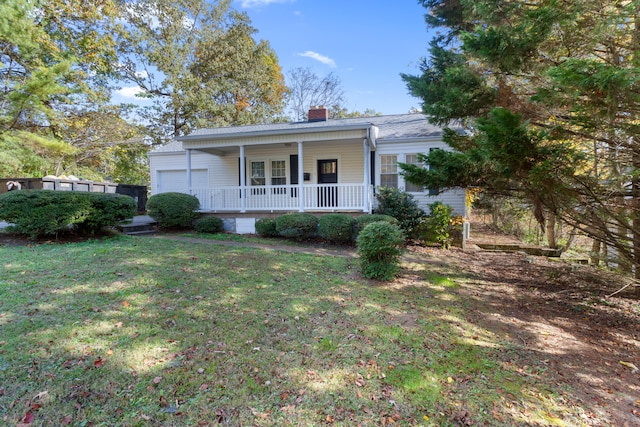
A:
(413, 125)
(390, 127)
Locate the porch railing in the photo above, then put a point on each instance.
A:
(317, 197)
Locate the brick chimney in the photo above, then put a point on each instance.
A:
(318, 114)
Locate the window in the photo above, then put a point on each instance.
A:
(257, 176)
(257, 173)
(412, 159)
(278, 175)
(389, 171)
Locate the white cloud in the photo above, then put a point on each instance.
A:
(320, 58)
(248, 4)
(129, 92)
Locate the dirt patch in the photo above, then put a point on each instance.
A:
(562, 316)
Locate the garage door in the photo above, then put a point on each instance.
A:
(176, 181)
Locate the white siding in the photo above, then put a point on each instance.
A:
(454, 198)
(176, 180)
(177, 162)
(223, 171)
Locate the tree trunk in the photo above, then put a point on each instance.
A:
(595, 253)
(635, 203)
(550, 230)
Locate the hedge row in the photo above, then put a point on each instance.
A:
(336, 228)
(40, 213)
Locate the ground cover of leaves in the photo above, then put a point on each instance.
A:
(150, 332)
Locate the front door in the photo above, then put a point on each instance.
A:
(328, 174)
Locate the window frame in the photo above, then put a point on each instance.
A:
(420, 189)
(383, 170)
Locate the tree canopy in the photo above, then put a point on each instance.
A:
(199, 63)
(549, 92)
(60, 61)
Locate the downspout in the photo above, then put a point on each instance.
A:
(367, 174)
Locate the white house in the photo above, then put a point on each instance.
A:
(246, 172)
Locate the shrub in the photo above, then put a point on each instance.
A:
(209, 224)
(107, 210)
(379, 249)
(337, 228)
(400, 205)
(435, 229)
(266, 227)
(364, 220)
(173, 209)
(299, 225)
(38, 213)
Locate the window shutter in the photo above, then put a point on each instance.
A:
(434, 191)
(293, 170)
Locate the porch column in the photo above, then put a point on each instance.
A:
(367, 175)
(243, 181)
(189, 171)
(300, 178)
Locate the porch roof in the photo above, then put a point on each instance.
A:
(392, 127)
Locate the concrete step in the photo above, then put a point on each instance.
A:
(139, 232)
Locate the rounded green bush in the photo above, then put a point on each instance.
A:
(402, 206)
(266, 227)
(209, 224)
(39, 213)
(173, 209)
(364, 220)
(337, 228)
(299, 225)
(380, 246)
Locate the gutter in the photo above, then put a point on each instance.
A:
(255, 134)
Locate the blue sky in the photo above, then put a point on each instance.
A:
(366, 43)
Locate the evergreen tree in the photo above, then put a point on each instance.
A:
(560, 81)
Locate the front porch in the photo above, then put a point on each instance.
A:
(287, 198)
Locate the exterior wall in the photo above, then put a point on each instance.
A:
(223, 171)
(177, 161)
(454, 198)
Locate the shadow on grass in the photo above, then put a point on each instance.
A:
(137, 331)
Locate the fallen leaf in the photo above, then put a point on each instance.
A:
(204, 387)
(157, 380)
(630, 365)
(66, 420)
(28, 418)
(2, 390)
(99, 362)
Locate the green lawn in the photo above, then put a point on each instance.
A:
(147, 332)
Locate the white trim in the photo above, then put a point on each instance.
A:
(338, 157)
(267, 168)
